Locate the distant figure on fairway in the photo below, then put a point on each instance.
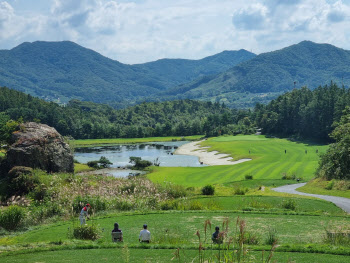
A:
(285, 151)
(84, 214)
(316, 150)
(249, 151)
(117, 234)
(215, 237)
(305, 151)
(145, 235)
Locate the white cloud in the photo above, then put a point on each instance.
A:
(143, 30)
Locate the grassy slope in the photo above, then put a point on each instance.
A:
(95, 142)
(179, 227)
(268, 202)
(269, 161)
(317, 186)
(149, 255)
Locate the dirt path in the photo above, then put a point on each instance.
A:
(208, 158)
(342, 202)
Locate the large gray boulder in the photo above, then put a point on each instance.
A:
(40, 146)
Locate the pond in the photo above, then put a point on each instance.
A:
(162, 152)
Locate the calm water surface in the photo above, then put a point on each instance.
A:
(119, 154)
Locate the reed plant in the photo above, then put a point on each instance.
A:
(232, 249)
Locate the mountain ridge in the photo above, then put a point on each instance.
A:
(67, 70)
(272, 73)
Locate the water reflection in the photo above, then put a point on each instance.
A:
(119, 154)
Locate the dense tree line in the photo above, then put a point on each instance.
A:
(83, 120)
(336, 162)
(303, 113)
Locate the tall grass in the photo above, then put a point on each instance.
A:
(231, 248)
(12, 217)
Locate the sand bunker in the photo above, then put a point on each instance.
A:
(208, 158)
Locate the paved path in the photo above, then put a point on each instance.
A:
(342, 202)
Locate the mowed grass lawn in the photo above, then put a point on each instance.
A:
(154, 255)
(269, 161)
(268, 203)
(179, 227)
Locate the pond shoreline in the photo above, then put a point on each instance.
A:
(206, 157)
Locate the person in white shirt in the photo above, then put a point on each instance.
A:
(145, 235)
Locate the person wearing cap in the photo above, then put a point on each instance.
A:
(84, 214)
(215, 237)
(145, 235)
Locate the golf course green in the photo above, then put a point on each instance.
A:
(299, 225)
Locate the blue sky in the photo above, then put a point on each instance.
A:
(145, 30)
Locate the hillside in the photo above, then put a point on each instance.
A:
(66, 70)
(270, 74)
(86, 120)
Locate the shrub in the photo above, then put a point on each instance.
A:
(271, 237)
(104, 162)
(139, 163)
(86, 232)
(93, 164)
(124, 205)
(240, 191)
(289, 204)
(46, 210)
(330, 185)
(169, 205)
(22, 180)
(193, 205)
(40, 192)
(175, 191)
(248, 177)
(12, 217)
(288, 176)
(208, 190)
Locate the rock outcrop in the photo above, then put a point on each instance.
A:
(40, 146)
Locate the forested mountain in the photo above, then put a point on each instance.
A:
(66, 70)
(90, 120)
(270, 74)
(303, 112)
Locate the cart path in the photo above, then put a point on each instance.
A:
(342, 202)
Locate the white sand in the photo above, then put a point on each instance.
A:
(208, 158)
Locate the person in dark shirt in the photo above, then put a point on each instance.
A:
(117, 230)
(215, 237)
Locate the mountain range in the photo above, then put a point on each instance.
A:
(67, 71)
(240, 78)
(269, 74)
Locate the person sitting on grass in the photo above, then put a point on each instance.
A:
(84, 214)
(216, 237)
(117, 234)
(145, 235)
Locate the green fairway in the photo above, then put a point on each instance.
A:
(272, 158)
(97, 142)
(153, 255)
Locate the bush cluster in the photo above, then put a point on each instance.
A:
(12, 218)
(208, 190)
(289, 204)
(86, 232)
